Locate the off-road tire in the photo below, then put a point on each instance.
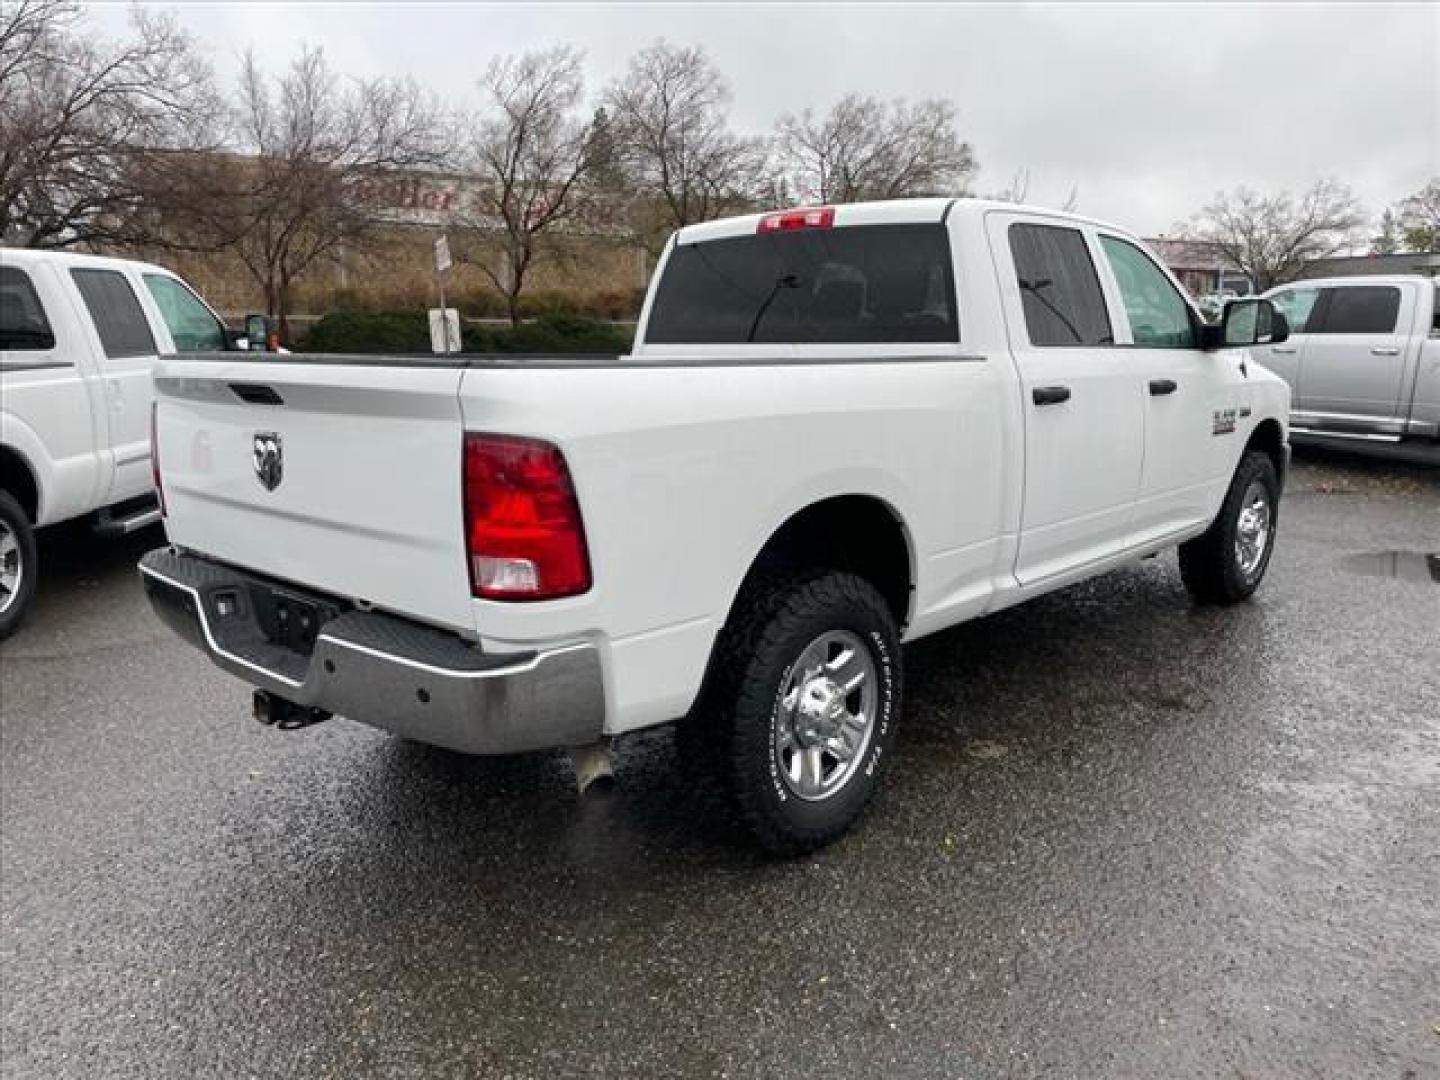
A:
(771, 626)
(23, 532)
(1209, 564)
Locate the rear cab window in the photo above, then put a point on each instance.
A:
(24, 326)
(115, 309)
(856, 284)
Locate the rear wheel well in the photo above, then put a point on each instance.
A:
(858, 534)
(19, 481)
(1269, 440)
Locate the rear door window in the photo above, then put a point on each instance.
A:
(192, 327)
(1360, 309)
(116, 311)
(1059, 287)
(23, 323)
(856, 285)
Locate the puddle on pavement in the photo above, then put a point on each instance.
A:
(1405, 565)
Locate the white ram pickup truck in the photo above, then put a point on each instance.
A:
(840, 429)
(78, 337)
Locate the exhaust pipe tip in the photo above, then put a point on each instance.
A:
(594, 766)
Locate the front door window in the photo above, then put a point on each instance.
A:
(1159, 316)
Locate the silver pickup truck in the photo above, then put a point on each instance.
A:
(1362, 361)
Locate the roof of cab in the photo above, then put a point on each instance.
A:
(1355, 280)
(15, 256)
(888, 211)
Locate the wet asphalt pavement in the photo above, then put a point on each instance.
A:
(1124, 837)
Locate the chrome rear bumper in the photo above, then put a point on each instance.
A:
(413, 680)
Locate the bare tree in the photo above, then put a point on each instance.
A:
(672, 141)
(867, 149)
(312, 151)
(89, 129)
(530, 154)
(1388, 240)
(1018, 191)
(1272, 237)
(1420, 218)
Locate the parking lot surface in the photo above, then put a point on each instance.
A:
(1122, 837)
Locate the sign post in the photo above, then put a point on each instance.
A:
(442, 263)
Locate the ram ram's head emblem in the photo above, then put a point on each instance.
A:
(269, 459)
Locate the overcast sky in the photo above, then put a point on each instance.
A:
(1147, 109)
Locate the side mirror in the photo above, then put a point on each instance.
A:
(257, 332)
(1252, 322)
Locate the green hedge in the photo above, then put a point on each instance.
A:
(482, 303)
(369, 332)
(409, 332)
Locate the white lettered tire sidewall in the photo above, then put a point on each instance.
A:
(765, 649)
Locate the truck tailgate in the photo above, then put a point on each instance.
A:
(366, 502)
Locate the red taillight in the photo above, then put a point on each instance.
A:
(155, 455)
(523, 533)
(810, 217)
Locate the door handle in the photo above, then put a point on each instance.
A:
(1385, 350)
(1163, 386)
(1285, 349)
(1050, 395)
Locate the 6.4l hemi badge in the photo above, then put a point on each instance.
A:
(269, 459)
(1224, 422)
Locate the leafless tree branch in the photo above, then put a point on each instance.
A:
(1271, 237)
(310, 150)
(1419, 218)
(867, 149)
(679, 161)
(90, 129)
(530, 157)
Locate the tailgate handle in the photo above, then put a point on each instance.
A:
(1050, 395)
(256, 394)
(1162, 386)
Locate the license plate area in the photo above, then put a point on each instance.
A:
(289, 620)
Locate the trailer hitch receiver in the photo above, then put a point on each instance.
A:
(273, 711)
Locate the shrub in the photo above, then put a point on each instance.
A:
(478, 302)
(409, 332)
(369, 332)
(559, 333)
(615, 304)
